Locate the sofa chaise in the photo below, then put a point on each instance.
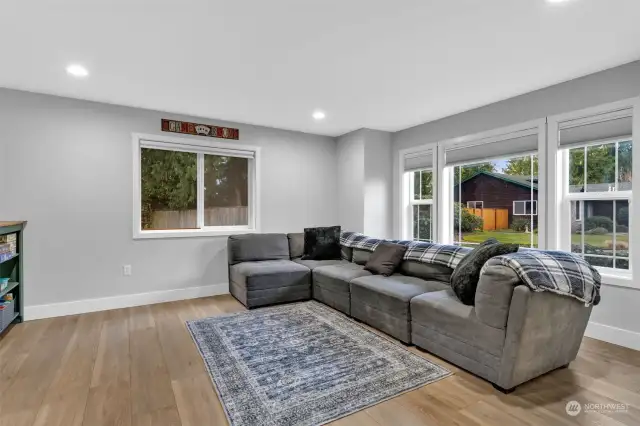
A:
(510, 336)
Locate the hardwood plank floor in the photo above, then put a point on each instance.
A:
(140, 367)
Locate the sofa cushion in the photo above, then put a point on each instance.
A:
(442, 313)
(385, 259)
(313, 264)
(254, 247)
(426, 271)
(322, 243)
(296, 245)
(464, 279)
(337, 277)
(346, 253)
(391, 294)
(360, 256)
(269, 274)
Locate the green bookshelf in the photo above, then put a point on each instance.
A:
(12, 268)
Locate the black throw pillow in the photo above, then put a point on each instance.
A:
(322, 243)
(385, 259)
(465, 277)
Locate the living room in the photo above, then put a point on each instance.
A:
(225, 224)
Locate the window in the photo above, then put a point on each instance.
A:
(526, 207)
(596, 156)
(422, 205)
(497, 182)
(187, 187)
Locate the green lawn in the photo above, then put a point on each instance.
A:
(524, 239)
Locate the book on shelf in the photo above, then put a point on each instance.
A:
(9, 238)
(7, 248)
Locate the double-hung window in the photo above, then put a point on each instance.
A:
(185, 187)
(419, 190)
(501, 168)
(596, 156)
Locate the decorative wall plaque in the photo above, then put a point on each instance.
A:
(175, 126)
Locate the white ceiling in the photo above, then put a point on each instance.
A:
(380, 64)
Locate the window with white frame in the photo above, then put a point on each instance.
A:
(525, 208)
(187, 187)
(596, 156)
(497, 167)
(420, 212)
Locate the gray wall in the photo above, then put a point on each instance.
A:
(68, 171)
(618, 310)
(351, 181)
(378, 178)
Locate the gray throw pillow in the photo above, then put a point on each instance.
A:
(465, 277)
(385, 259)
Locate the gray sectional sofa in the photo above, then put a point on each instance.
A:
(510, 336)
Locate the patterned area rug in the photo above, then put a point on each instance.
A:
(303, 364)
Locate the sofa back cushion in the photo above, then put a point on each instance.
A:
(426, 271)
(346, 253)
(360, 257)
(296, 244)
(254, 247)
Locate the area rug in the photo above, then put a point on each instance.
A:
(303, 364)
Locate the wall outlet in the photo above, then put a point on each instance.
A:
(126, 270)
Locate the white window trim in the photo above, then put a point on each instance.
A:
(445, 173)
(140, 140)
(475, 203)
(534, 208)
(559, 215)
(404, 225)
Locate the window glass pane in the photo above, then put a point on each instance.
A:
(226, 191)
(427, 184)
(416, 185)
(601, 168)
(576, 169)
(624, 165)
(498, 184)
(169, 189)
(422, 220)
(598, 237)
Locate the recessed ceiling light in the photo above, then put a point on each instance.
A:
(558, 1)
(78, 71)
(319, 115)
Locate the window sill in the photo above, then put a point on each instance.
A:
(191, 233)
(617, 279)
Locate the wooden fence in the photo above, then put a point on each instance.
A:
(494, 219)
(185, 219)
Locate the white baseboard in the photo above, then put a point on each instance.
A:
(617, 336)
(125, 301)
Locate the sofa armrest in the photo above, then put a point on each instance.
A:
(544, 332)
(493, 294)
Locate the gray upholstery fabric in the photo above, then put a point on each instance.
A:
(313, 264)
(391, 294)
(296, 244)
(346, 253)
(253, 247)
(544, 332)
(385, 259)
(383, 302)
(267, 282)
(426, 271)
(493, 295)
(331, 284)
(442, 313)
(337, 277)
(360, 257)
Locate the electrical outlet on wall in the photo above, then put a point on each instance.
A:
(126, 270)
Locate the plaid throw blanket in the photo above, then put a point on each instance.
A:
(440, 254)
(558, 272)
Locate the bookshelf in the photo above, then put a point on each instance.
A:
(12, 267)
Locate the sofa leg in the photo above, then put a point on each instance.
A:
(503, 390)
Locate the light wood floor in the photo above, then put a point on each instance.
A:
(139, 366)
